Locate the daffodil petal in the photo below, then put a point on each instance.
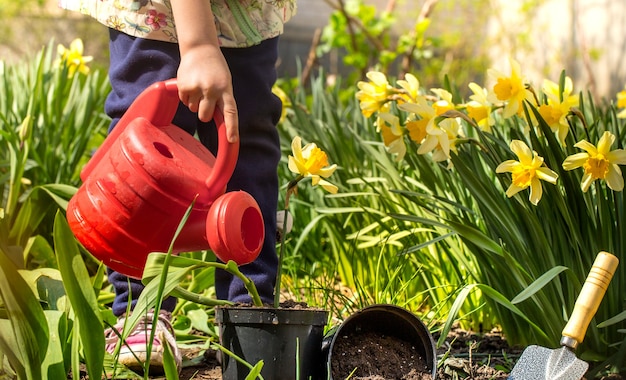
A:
(522, 151)
(586, 181)
(562, 134)
(293, 166)
(444, 142)
(536, 191)
(398, 148)
(328, 186)
(296, 147)
(575, 161)
(586, 146)
(430, 142)
(510, 109)
(377, 77)
(512, 190)
(605, 142)
(507, 166)
(327, 171)
(614, 178)
(547, 175)
(617, 156)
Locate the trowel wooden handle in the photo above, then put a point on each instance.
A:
(589, 299)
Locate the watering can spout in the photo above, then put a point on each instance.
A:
(141, 181)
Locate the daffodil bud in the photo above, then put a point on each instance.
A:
(280, 221)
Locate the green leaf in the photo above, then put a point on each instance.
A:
(476, 236)
(255, 372)
(538, 284)
(169, 363)
(613, 320)
(60, 193)
(81, 295)
(454, 311)
(29, 328)
(199, 320)
(10, 348)
(47, 284)
(502, 300)
(54, 364)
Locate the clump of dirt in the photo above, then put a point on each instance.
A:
(373, 356)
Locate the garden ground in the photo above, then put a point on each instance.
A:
(466, 356)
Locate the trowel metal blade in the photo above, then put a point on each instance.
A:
(540, 363)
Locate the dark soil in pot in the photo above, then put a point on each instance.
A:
(374, 356)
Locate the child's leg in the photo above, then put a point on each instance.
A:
(254, 73)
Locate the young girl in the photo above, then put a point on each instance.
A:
(223, 54)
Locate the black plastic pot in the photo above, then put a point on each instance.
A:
(287, 340)
(388, 320)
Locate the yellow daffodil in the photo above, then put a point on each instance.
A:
(527, 172)
(446, 141)
(417, 130)
(600, 162)
(621, 103)
(411, 88)
(284, 100)
(73, 57)
(509, 89)
(559, 104)
(391, 131)
(421, 110)
(479, 108)
(373, 95)
(444, 102)
(439, 139)
(311, 161)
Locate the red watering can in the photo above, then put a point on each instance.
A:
(141, 181)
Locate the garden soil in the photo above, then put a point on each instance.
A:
(467, 356)
(378, 357)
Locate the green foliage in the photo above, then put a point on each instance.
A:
(10, 8)
(351, 233)
(528, 258)
(42, 144)
(367, 37)
(49, 122)
(66, 114)
(43, 334)
(436, 39)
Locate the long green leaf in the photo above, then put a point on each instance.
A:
(538, 284)
(81, 295)
(54, 364)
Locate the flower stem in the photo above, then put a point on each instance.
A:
(232, 267)
(279, 272)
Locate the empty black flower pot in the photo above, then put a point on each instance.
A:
(289, 341)
(390, 322)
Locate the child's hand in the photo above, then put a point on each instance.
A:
(204, 82)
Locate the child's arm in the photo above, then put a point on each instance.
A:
(204, 79)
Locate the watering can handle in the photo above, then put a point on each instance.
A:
(158, 104)
(227, 153)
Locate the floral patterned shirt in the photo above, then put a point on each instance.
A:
(240, 23)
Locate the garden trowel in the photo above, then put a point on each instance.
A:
(540, 363)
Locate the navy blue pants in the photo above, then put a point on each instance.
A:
(136, 64)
